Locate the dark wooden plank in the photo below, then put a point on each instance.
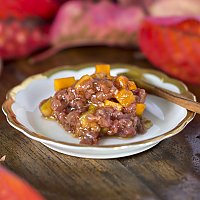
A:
(59, 176)
(172, 168)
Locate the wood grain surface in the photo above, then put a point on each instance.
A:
(170, 170)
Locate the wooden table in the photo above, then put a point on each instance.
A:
(170, 170)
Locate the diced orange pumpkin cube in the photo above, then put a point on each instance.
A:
(122, 82)
(103, 68)
(82, 80)
(62, 83)
(131, 85)
(113, 104)
(140, 107)
(45, 108)
(125, 97)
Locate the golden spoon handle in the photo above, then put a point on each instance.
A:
(170, 96)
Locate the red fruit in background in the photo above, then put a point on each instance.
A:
(45, 9)
(104, 22)
(173, 45)
(13, 188)
(80, 23)
(20, 38)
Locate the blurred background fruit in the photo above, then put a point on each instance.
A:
(14, 188)
(29, 26)
(19, 38)
(173, 45)
(102, 22)
(21, 9)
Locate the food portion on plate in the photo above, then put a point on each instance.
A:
(97, 105)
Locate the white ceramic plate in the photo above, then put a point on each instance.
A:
(21, 109)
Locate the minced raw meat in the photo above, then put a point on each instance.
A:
(82, 111)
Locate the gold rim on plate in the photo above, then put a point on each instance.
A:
(133, 70)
